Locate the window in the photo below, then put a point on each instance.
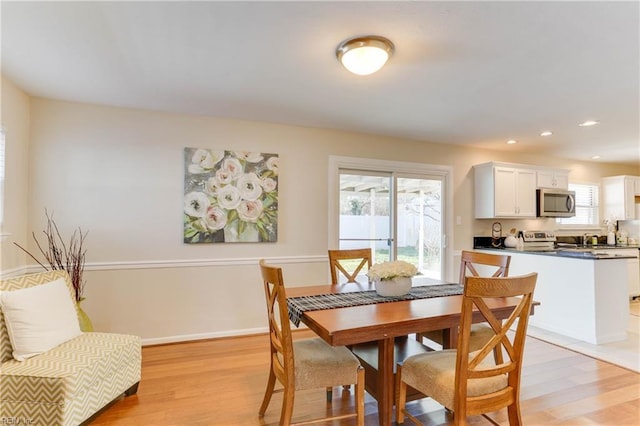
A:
(1, 174)
(587, 206)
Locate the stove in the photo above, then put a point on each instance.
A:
(538, 240)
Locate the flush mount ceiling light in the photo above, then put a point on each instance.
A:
(588, 123)
(364, 55)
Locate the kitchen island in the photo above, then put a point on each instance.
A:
(582, 294)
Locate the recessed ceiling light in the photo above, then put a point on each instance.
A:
(546, 133)
(512, 141)
(588, 123)
(595, 157)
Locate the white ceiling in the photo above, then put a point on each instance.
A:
(468, 73)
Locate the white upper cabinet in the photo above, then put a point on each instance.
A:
(558, 179)
(618, 194)
(503, 190)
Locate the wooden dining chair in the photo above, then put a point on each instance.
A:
(304, 364)
(358, 259)
(470, 382)
(474, 264)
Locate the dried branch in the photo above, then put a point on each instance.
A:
(59, 256)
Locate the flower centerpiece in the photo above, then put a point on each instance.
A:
(392, 278)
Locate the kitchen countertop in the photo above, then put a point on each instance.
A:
(588, 252)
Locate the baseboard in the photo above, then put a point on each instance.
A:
(203, 336)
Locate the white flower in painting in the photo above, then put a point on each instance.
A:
(249, 186)
(390, 270)
(204, 160)
(272, 164)
(268, 184)
(211, 186)
(223, 177)
(249, 157)
(229, 197)
(196, 204)
(215, 218)
(250, 211)
(233, 167)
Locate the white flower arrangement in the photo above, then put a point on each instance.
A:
(391, 270)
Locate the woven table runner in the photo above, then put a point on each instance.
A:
(298, 305)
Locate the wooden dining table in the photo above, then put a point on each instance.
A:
(386, 326)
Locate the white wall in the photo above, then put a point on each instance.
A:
(117, 173)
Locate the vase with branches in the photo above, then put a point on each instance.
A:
(60, 255)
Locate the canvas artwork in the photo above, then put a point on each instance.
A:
(230, 196)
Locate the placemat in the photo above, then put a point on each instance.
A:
(298, 305)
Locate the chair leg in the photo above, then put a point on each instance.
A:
(329, 394)
(459, 420)
(271, 383)
(360, 397)
(287, 406)
(401, 395)
(515, 418)
(132, 390)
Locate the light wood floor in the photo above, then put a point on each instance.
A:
(221, 382)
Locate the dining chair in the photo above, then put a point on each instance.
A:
(338, 263)
(304, 364)
(470, 382)
(474, 264)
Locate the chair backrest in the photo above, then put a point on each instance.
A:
(477, 365)
(470, 259)
(280, 338)
(27, 281)
(348, 263)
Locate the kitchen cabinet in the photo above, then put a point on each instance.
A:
(504, 190)
(558, 179)
(618, 195)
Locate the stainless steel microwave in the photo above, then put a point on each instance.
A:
(555, 203)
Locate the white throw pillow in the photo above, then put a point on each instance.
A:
(39, 318)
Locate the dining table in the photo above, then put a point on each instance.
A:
(383, 327)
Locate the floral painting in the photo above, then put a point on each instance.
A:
(230, 196)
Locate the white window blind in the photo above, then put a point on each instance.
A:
(587, 206)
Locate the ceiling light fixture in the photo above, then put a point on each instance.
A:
(595, 157)
(512, 141)
(546, 133)
(364, 55)
(588, 123)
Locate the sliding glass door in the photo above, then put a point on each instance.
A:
(398, 215)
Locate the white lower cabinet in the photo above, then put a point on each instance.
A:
(586, 299)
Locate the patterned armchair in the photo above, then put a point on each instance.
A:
(68, 384)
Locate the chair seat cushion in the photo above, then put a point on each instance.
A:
(318, 364)
(82, 368)
(433, 374)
